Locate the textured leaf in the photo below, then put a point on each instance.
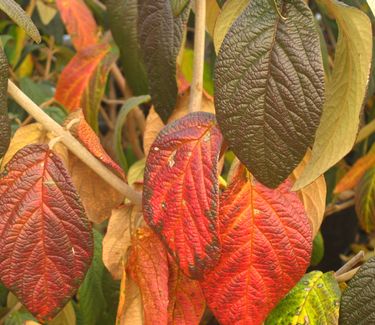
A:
(45, 238)
(148, 266)
(181, 191)
(357, 300)
(266, 245)
(154, 124)
(123, 23)
(186, 300)
(365, 201)
(129, 104)
(269, 117)
(32, 134)
(160, 36)
(98, 197)
(314, 300)
(118, 238)
(346, 90)
(353, 176)
(14, 11)
(313, 196)
(229, 13)
(4, 119)
(79, 22)
(82, 82)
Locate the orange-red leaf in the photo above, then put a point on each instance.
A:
(148, 267)
(45, 238)
(79, 22)
(266, 247)
(186, 300)
(181, 191)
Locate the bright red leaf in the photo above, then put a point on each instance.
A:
(181, 191)
(79, 22)
(266, 247)
(45, 238)
(148, 267)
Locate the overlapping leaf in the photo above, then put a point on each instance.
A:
(123, 23)
(148, 267)
(346, 90)
(82, 82)
(269, 117)
(160, 36)
(45, 238)
(314, 300)
(79, 22)
(4, 119)
(212, 12)
(365, 201)
(181, 191)
(266, 247)
(357, 302)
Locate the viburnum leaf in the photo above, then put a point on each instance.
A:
(269, 117)
(148, 267)
(313, 195)
(186, 300)
(212, 12)
(82, 82)
(365, 201)
(355, 173)
(346, 91)
(314, 300)
(46, 242)
(79, 23)
(357, 299)
(266, 246)
(4, 119)
(181, 191)
(123, 17)
(160, 35)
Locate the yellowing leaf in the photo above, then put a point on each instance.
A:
(313, 196)
(65, 317)
(212, 12)
(136, 172)
(345, 93)
(46, 12)
(230, 11)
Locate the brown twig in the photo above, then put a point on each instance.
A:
(346, 272)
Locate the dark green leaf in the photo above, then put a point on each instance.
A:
(269, 83)
(38, 92)
(357, 302)
(318, 249)
(160, 36)
(123, 24)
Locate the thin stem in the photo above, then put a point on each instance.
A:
(15, 308)
(350, 264)
(365, 132)
(73, 144)
(347, 275)
(199, 44)
(334, 208)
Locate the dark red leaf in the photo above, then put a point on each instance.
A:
(181, 191)
(45, 238)
(266, 247)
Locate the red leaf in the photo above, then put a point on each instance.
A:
(79, 22)
(266, 247)
(148, 267)
(181, 191)
(45, 238)
(186, 300)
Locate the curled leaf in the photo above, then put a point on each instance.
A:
(4, 119)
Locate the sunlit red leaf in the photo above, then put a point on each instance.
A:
(82, 82)
(186, 300)
(181, 191)
(148, 267)
(266, 247)
(45, 238)
(79, 22)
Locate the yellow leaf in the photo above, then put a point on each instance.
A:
(212, 12)
(46, 12)
(65, 317)
(229, 13)
(345, 92)
(136, 172)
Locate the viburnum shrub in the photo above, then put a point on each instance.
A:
(171, 161)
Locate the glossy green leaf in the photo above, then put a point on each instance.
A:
(160, 35)
(14, 11)
(314, 300)
(318, 250)
(346, 91)
(125, 109)
(269, 83)
(357, 302)
(123, 24)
